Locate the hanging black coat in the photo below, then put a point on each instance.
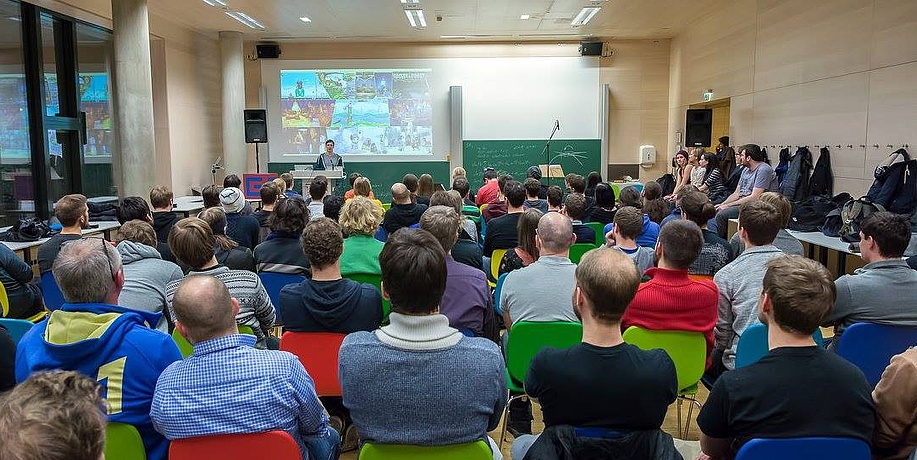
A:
(895, 186)
(795, 185)
(822, 181)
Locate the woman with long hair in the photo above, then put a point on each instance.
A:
(713, 184)
(424, 189)
(716, 253)
(697, 171)
(592, 180)
(653, 205)
(605, 209)
(682, 173)
(227, 251)
(363, 187)
(526, 252)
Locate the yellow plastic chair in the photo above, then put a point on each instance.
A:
(478, 450)
(123, 442)
(386, 206)
(495, 258)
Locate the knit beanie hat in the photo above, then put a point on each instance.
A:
(232, 200)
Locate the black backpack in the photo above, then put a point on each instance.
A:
(667, 183)
(809, 215)
(852, 214)
(895, 184)
(28, 229)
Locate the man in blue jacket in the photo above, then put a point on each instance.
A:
(92, 335)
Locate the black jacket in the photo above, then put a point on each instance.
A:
(163, 221)
(402, 215)
(564, 442)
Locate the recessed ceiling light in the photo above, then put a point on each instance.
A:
(524, 16)
(305, 19)
(249, 21)
(585, 15)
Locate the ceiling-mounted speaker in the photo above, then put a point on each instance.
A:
(591, 48)
(268, 51)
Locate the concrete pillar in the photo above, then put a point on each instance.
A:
(134, 96)
(235, 151)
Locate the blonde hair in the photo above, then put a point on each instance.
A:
(281, 185)
(362, 187)
(360, 216)
(458, 171)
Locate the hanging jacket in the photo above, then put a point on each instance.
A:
(822, 181)
(894, 185)
(795, 185)
(783, 164)
(564, 442)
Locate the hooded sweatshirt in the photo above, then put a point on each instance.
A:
(113, 345)
(163, 221)
(145, 278)
(402, 215)
(342, 306)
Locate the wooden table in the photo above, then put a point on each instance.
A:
(832, 252)
(24, 248)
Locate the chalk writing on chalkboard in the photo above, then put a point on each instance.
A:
(515, 156)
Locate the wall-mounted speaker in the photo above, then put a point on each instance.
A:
(591, 48)
(255, 126)
(698, 127)
(268, 51)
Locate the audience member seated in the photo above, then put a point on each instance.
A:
(577, 184)
(23, 295)
(757, 177)
(676, 210)
(136, 208)
(363, 187)
(461, 185)
(575, 209)
(649, 231)
(532, 189)
(145, 273)
(54, 415)
(670, 300)
(326, 302)
(94, 336)
(714, 185)
(163, 216)
(7, 360)
(466, 249)
(540, 292)
(318, 189)
(269, 196)
(424, 189)
(404, 212)
(229, 387)
(351, 193)
(241, 228)
(605, 209)
(211, 196)
(527, 251)
(192, 242)
(784, 241)
(625, 230)
(629, 196)
(282, 187)
(895, 397)
(359, 220)
(501, 231)
(884, 291)
(573, 385)
(467, 300)
(227, 251)
(73, 214)
(499, 206)
(592, 180)
(280, 252)
(233, 180)
(739, 282)
(290, 191)
(490, 190)
(798, 389)
(412, 183)
(716, 253)
(437, 400)
(653, 205)
(534, 172)
(331, 206)
(555, 199)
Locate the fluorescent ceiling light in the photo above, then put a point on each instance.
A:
(585, 15)
(416, 18)
(216, 2)
(410, 1)
(305, 19)
(524, 16)
(246, 20)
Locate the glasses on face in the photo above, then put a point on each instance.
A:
(111, 266)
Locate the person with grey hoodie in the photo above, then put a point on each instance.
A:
(145, 273)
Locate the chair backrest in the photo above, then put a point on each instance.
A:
(578, 250)
(123, 442)
(696, 277)
(497, 290)
(54, 299)
(753, 344)
(804, 449)
(273, 283)
(527, 338)
(871, 346)
(279, 444)
(469, 210)
(185, 347)
(688, 350)
(318, 353)
(375, 280)
(478, 450)
(495, 258)
(381, 234)
(16, 327)
(4, 302)
(598, 228)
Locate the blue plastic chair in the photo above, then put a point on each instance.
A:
(54, 299)
(753, 344)
(16, 327)
(497, 291)
(381, 235)
(871, 346)
(804, 449)
(273, 283)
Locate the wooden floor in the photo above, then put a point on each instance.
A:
(670, 425)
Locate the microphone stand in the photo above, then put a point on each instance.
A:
(547, 149)
(213, 170)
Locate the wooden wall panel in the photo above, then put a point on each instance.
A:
(892, 105)
(894, 32)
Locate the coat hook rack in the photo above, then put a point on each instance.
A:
(889, 146)
(849, 146)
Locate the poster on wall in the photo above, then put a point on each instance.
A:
(364, 111)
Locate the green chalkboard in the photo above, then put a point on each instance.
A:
(578, 156)
(384, 174)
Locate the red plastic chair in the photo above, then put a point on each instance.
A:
(318, 353)
(279, 444)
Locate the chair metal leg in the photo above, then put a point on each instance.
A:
(694, 402)
(678, 413)
(506, 417)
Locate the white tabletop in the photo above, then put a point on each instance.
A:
(820, 239)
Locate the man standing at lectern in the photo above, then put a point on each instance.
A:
(329, 160)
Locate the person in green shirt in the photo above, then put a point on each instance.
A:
(359, 220)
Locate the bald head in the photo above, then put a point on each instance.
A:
(400, 193)
(204, 308)
(555, 233)
(608, 281)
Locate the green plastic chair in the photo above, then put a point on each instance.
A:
(375, 280)
(472, 211)
(185, 347)
(478, 450)
(526, 339)
(688, 351)
(599, 229)
(123, 442)
(578, 250)
(386, 206)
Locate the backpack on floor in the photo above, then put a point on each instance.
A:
(852, 215)
(667, 183)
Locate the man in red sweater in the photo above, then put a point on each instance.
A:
(489, 190)
(670, 300)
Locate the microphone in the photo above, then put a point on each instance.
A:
(557, 125)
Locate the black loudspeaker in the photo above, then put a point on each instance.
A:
(255, 126)
(698, 127)
(591, 48)
(268, 51)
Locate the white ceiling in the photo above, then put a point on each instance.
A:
(384, 20)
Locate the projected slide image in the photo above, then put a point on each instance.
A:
(365, 111)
